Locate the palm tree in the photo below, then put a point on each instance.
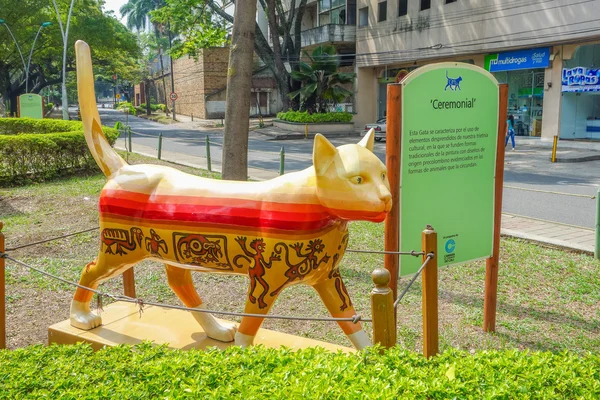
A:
(137, 13)
(322, 82)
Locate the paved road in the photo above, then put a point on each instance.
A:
(526, 168)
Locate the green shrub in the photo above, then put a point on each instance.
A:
(306, 118)
(153, 107)
(41, 149)
(146, 372)
(139, 110)
(127, 107)
(49, 106)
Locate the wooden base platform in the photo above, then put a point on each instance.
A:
(122, 324)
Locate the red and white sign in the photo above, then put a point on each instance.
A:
(173, 96)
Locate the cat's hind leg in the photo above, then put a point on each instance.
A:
(103, 268)
(180, 281)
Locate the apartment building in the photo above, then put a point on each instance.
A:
(547, 51)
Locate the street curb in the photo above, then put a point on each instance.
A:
(577, 159)
(296, 136)
(547, 241)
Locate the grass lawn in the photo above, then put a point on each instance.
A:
(548, 299)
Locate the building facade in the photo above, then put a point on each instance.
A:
(547, 51)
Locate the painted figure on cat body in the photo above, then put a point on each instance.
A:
(281, 232)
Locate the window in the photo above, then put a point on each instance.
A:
(450, 1)
(332, 12)
(425, 4)
(363, 16)
(402, 7)
(382, 15)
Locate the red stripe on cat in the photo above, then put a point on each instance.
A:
(200, 217)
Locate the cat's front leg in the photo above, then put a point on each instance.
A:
(249, 326)
(335, 297)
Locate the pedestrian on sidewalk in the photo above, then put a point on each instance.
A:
(510, 131)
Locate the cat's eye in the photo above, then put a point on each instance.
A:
(357, 179)
(383, 176)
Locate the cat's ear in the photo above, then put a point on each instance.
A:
(323, 154)
(368, 141)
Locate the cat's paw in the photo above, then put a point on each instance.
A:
(243, 340)
(82, 317)
(222, 332)
(213, 328)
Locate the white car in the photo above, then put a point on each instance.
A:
(378, 127)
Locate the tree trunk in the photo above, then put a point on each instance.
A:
(239, 86)
(162, 74)
(147, 92)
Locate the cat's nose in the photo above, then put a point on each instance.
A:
(384, 194)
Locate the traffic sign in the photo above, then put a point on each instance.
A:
(173, 96)
(118, 95)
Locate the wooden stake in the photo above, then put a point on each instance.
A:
(129, 283)
(491, 264)
(392, 161)
(2, 292)
(430, 293)
(382, 309)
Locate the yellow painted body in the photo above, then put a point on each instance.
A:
(289, 230)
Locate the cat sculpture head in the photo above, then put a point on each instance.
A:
(351, 181)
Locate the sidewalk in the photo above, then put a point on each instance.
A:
(546, 232)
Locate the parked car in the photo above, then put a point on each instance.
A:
(378, 127)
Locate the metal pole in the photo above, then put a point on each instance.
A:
(29, 60)
(554, 145)
(208, 155)
(282, 161)
(129, 138)
(597, 247)
(16, 44)
(65, 35)
(159, 145)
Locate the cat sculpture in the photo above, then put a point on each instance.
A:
(281, 232)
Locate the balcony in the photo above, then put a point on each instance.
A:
(329, 34)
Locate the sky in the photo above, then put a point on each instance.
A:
(115, 5)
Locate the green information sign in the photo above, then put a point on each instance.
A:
(448, 158)
(31, 106)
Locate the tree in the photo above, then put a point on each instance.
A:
(138, 13)
(322, 82)
(115, 49)
(202, 21)
(239, 86)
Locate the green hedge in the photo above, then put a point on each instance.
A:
(41, 149)
(304, 117)
(146, 372)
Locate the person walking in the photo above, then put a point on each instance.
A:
(510, 131)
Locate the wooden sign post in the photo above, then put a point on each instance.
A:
(445, 157)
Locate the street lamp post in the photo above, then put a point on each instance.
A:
(43, 25)
(2, 22)
(65, 35)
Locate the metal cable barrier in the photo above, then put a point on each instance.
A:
(414, 278)
(141, 303)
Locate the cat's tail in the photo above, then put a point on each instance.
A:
(446, 74)
(106, 157)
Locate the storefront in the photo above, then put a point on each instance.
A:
(580, 108)
(523, 71)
